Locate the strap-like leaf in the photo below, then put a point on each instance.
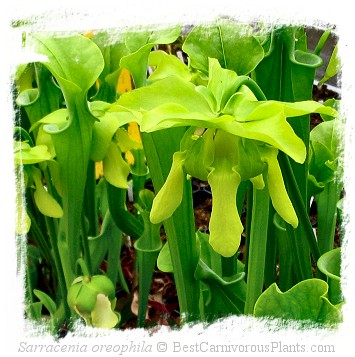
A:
(46, 300)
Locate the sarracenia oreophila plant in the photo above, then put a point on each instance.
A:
(104, 115)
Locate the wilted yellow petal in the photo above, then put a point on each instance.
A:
(99, 170)
(170, 195)
(129, 158)
(116, 169)
(23, 221)
(277, 190)
(124, 83)
(103, 316)
(258, 182)
(133, 132)
(89, 34)
(45, 203)
(225, 225)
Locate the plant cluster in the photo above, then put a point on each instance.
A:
(113, 128)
